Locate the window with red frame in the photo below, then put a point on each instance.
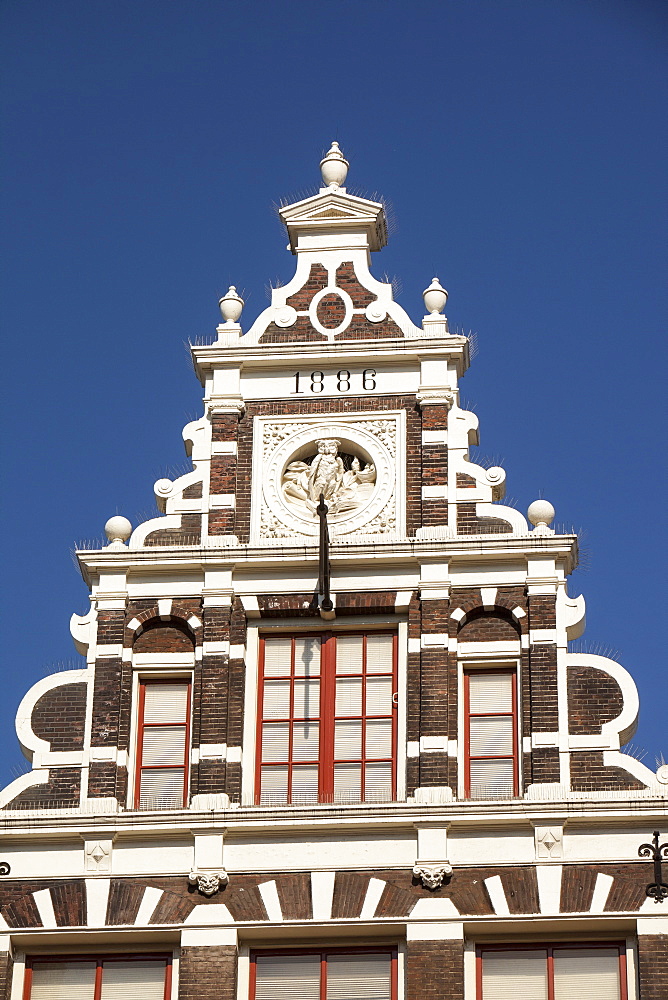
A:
(365, 974)
(546, 972)
(163, 738)
(490, 734)
(113, 977)
(327, 718)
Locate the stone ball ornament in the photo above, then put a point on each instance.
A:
(334, 167)
(662, 774)
(435, 297)
(118, 529)
(231, 305)
(541, 513)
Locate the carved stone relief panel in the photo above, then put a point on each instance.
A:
(355, 461)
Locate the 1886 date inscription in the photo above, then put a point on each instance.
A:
(344, 381)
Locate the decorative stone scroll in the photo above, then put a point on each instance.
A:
(208, 883)
(433, 876)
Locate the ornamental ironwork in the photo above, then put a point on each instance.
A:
(656, 890)
(5, 867)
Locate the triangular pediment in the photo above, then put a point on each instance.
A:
(338, 210)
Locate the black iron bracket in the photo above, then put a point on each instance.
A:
(324, 569)
(656, 890)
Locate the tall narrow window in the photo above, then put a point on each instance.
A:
(490, 723)
(333, 975)
(563, 972)
(110, 978)
(163, 739)
(327, 719)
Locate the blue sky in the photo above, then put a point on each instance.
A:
(520, 145)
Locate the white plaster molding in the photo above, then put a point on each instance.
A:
(538, 635)
(204, 915)
(97, 855)
(509, 514)
(21, 784)
(549, 842)
(224, 448)
(83, 629)
(44, 905)
(272, 903)
(657, 925)
(434, 744)
(149, 902)
(169, 522)
(602, 889)
(30, 743)
(621, 729)
(614, 758)
(222, 501)
(549, 888)
(208, 937)
(322, 894)
(430, 640)
(414, 645)
(196, 439)
(518, 613)
(458, 614)
(374, 891)
(435, 492)
(573, 610)
(452, 931)
(435, 437)
(109, 649)
(488, 597)
(435, 908)
(413, 748)
(250, 605)
(97, 898)
(497, 895)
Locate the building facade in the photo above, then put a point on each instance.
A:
(327, 739)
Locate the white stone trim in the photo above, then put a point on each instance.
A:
(44, 904)
(223, 448)
(434, 744)
(322, 894)
(499, 647)
(272, 903)
(488, 597)
(518, 613)
(133, 624)
(237, 651)
(211, 915)
(434, 908)
(250, 605)
(21, 784)
(618, 730)
(542, 635)
(497, 895)
(435, 492)
(509, 514)
(374, 891)
(226, 501)
(149, 902)
(429, 640)
(182, 659)
(549, 887)
(601, 892)
(30, 743)
(221, 648)
(436, 931)
(168, 522)
(458, 614)
(97, 898)
(413, 748)
(614, 758)
(434, 437)
(414, 645)
(83, 629)
(207, 937)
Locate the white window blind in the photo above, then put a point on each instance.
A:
(282, 976)
(133, 981)
(491, 765)
(577, 974)
(344, 977)
(165, 702)
(490, 692)
(63, 981)
(358, 977)
(163, 744)
(586, 974)
(509, 975)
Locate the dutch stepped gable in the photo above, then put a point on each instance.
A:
(410, 789)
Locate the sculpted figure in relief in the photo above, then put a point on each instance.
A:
(343, 489)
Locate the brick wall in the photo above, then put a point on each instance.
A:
(435, 970)
(208, 973)
(60, 716)
(589, 774)
(593, 698)
(6, 968)
(653, 966)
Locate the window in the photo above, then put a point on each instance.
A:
(126, 977)
(325, 975)
(490, 734)
(560, 972)
(327, 719)
(163, 739)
